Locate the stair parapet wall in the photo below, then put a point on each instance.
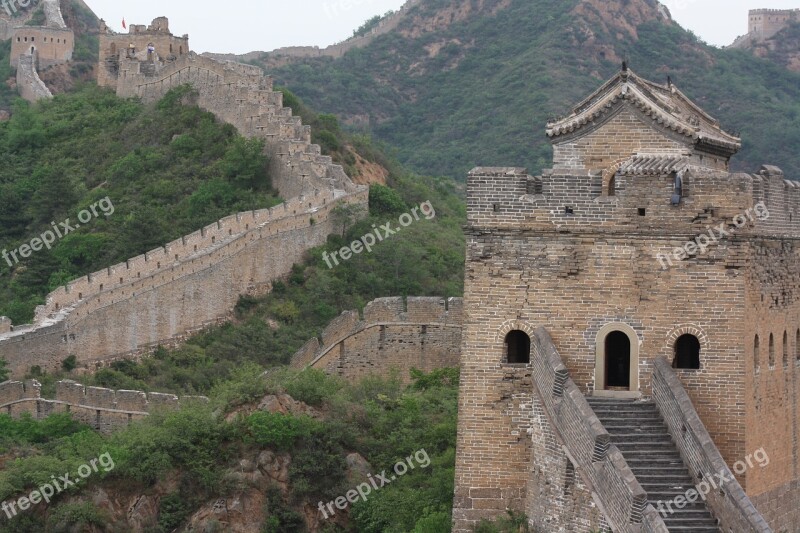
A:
(587, 443)
(103, 409)
(731, 506)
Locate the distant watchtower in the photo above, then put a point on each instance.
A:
(153, 45)
(638, 245)
(765, 23)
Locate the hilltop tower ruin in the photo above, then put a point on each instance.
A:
(764, 24)
(50, 44)
(600, 297)
(153, 45)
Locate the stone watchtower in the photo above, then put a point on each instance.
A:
(637, 268)
(150, 46)
(765, 23)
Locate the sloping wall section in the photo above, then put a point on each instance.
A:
(422, 333)
(103, 409)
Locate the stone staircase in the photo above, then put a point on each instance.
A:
(637, 429)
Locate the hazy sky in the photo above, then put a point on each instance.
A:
(247, 25)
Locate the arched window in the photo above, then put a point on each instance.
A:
(518, 347)
(771, 350)
(756, 353)
(612, 186)
(687, 352)
(785, 349)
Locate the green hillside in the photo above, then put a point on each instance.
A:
(159, 165)
(167, 170)
(478, 91)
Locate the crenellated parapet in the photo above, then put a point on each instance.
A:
(762, 204)
(182, 287)
(764, 24)
(103, 409)
(418, 332)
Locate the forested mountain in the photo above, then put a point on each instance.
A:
(460, 84)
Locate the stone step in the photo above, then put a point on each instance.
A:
(641, 435)
(633, 413)
(637, 438)
(695, 524)
(673, 478)
(649, 446)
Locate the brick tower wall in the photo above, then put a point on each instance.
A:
(765, 23)
(53, 46)
(772, 381)
(572, 261)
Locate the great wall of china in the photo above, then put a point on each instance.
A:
(168, 293)
(422, 333)
(102, 409)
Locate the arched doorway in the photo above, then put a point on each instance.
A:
(617, 361)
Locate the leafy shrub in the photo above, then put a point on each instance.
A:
(172, 511)
(513, 523)
(385, 201)
(246, 385)
(26, 430)
(69, 364)
(312, 386)
(318, 469)
(79, 516)
(440, 377)
(4, 371)
(280, 517)
(278, 431)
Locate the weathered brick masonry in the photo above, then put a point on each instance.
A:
(393, 335)
(587, 251)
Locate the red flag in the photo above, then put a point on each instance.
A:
(125, 26)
